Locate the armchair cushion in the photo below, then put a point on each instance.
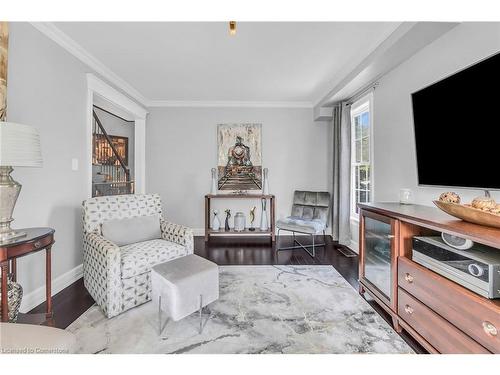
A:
(297, 224)
(138, 258)
(131, 230)
(310, 205)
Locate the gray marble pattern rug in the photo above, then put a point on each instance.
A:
(261, 309)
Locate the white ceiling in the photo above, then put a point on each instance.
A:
(198, 61)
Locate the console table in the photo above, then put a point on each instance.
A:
(36, 239)
(271, 230)
(443, 316)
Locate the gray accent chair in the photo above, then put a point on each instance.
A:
(310, 212)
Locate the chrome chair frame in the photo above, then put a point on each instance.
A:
(301, 246)
(309, 209)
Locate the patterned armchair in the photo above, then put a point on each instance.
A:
(118, 278)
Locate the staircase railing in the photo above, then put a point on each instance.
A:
(114, 168)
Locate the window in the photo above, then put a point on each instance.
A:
(361, 155)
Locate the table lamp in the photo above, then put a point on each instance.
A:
(19, 147)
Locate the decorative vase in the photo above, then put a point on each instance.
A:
(213, 189)
(216, 221)
(239, 222)
(252, 219)
(265, 182)
(263, 215)
(228, 215)
(14, 298)
(405, 196)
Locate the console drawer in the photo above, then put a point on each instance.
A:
(478, 317)
(438, 332)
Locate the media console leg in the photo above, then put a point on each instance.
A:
(361, 290)
(395, 324)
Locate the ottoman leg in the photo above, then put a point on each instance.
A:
(159, 315)
(201, 308)
(161, 326)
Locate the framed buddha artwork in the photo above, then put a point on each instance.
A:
(239, 160)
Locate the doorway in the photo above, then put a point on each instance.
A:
(112, 153)
(116, 141)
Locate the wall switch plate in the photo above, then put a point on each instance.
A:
(74, 164)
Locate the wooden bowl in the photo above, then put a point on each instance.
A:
(470, 214)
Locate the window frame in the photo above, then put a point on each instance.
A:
(360, 106)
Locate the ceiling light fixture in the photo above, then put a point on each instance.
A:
(232, 27)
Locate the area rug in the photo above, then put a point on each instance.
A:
(262, 309)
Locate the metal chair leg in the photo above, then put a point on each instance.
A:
(301, 246)
(161, 325)
(201, 317)
(159, 315)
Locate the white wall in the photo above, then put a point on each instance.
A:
(47, 88)
(181, 148)
(394, 159)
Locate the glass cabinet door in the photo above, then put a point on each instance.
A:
(378, 245)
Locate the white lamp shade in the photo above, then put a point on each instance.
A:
(19, 145)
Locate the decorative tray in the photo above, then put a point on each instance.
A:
(470, 214)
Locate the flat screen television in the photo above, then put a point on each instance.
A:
(457, 128)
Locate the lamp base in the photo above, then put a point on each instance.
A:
(9, 191)
(10, 236)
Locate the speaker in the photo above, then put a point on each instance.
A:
(457, 242)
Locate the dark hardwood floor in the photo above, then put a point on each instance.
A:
(74, 300)
(68, 304)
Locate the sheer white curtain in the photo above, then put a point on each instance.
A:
(341, 214)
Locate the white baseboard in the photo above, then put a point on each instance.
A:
(37, 296)
(198, 231)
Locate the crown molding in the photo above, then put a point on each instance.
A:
(70, 45)
(228, 103)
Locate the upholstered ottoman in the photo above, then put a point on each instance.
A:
(183, 286)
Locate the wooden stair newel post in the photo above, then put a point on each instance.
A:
(4, 44)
